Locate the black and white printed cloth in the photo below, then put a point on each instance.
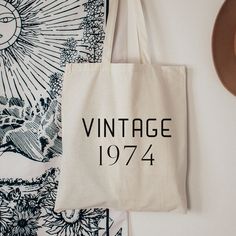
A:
(37, 39)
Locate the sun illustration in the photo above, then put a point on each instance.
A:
(37, 39)
(10, 24)
(32, 35)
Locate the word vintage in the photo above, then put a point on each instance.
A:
(125, 127)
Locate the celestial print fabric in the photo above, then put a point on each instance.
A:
(37, 39)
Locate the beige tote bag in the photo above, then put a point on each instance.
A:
(124, 130)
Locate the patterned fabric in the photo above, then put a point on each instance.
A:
(37, 39)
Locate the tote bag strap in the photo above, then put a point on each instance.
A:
(141, 31)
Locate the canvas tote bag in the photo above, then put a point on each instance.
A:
(124, 129)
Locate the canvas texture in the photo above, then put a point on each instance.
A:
(125, 136)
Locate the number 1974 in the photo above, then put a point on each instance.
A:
(113, 152)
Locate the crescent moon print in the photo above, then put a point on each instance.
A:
(37, 39)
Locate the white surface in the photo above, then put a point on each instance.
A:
(181, 34)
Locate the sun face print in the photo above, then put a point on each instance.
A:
(10, 24)
(37, 39)
(32, 36)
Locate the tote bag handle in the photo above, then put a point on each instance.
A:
(141, 31)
